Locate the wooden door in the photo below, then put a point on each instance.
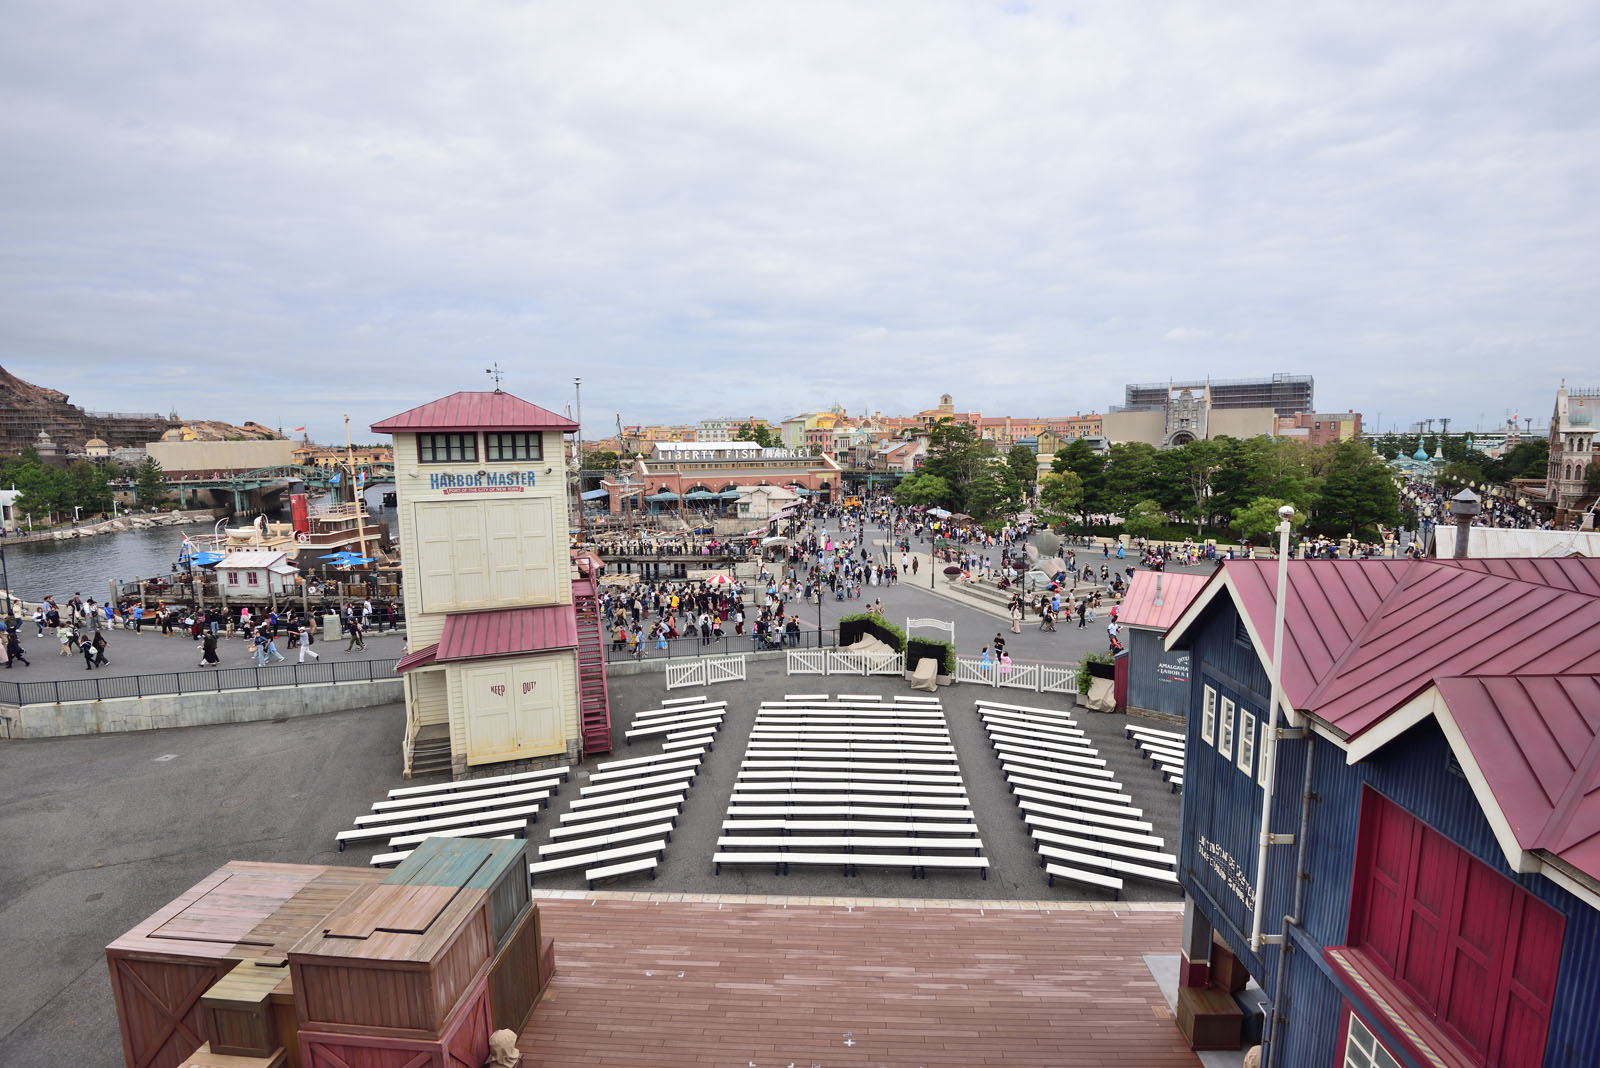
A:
(539, 706)
(434, 563)
(469, 554)
(491, 713)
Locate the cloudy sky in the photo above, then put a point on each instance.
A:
(286, 212)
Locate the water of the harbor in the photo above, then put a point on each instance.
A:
(86, 565)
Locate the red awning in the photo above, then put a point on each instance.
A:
(420, 658)
(508, 632)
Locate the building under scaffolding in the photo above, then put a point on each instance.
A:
(1285, 394)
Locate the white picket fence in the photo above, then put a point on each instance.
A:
(705, 671)
(843, 662)
(1036, 678)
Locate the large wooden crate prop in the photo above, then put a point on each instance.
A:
(464, 1044)
(518, 974)
(239, 1012)
(500, 868)
(205, 1057)
(162, 968)
(393, 959)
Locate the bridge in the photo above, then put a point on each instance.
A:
(242, 484)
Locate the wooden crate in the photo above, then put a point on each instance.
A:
(204, 1057)
(393, 960)
(161, 968)
(501, 868)
(463, 1044)
(1209, 1018)
(238, 1009)
(517, 975)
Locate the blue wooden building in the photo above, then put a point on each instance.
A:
(1433, 884)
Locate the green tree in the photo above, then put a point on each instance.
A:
(1458, 473)
(1358, 494)
(1061, 495)
(1256, 521)
(1145, 519)
(756, 432)
(1131, 476)
(994, 493)
(955, 455)
(1024, 464)
(922, 490)
(601, 460)
(148, 484)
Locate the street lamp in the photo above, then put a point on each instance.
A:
(5, 576)
(1269, 752)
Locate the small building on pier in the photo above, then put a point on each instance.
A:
(500, 629)
(257, 573)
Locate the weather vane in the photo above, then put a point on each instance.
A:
(494, 373)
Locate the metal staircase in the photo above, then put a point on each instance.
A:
(594, 697)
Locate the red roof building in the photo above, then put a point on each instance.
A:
(473, 410)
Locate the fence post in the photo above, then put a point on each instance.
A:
(138, 687)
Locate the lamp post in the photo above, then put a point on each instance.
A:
(1270, 752)
(5, 576)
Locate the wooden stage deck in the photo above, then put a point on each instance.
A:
(691, 980)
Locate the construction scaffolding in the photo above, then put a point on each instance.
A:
(1284, 393)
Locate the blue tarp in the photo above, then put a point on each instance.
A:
(594, 494)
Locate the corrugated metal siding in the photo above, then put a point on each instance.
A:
(1146, 688)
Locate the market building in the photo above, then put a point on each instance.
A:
(1432, 886)
(705, 475)
(504, 661)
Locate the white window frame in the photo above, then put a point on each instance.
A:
(1208, 716)
(1225, 731)
(1362, 1048)
(1247, 742)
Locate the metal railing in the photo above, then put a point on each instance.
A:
(728, 644)
(217, 680)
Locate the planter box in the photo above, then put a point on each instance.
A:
(1102, 671)
(500, 868)
(394, 960)
(464, 1043)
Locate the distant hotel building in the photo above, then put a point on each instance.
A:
(1573, 428)
(1283, 393)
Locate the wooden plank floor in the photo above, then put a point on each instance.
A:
(645, 980)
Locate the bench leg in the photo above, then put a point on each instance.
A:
(985, 873)
(716, 868)
(341, 845)
(1051, 877)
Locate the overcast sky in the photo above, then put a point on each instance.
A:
(285, 212)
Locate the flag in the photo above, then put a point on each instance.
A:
(298, 429)
(361, 478)
(333, 480)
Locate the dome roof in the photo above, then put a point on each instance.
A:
(172, 435)
(96, 443)
(1422, 451)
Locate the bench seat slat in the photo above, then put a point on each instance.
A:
(468, 784)
(412, 815)
(623, 809)
(1091, 878)
(517, 828)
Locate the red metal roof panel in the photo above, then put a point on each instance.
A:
(1138, 607)
(420, 658)
(508, 632)
(469, 410)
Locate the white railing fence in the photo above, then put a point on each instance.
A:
(1033, 676)
(705, 671)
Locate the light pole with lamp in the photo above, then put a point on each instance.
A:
(5, 576)
(1269, 753)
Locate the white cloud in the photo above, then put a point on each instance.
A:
(703, 208)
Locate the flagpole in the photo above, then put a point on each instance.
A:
(350, 461)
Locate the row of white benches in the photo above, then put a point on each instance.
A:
(1164, 750)
(487, 807)
(847, 782)
(1084, 827)
(623, 819)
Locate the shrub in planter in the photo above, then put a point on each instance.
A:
(922, 648)
(1094, 666)
(853, 626)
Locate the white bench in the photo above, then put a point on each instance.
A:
(602, 841)
(1111, 864)
(759, 763)
(1133, 729)
(670, 728)
(803, 737)
(1052, 796)
(969, 830)
(430, 800)
(608, 766)
(573, 830)
(801, 697)
(780, 751)
(850, 861)
(599, 856)
(695, 743)
(1057, 786)
(876, 720)
(1175, 778)
(658, 715)
(383, 860)
(782, 795)
(1070, 772)
(470, 784)
(1056, 811)
(1003, 732)
(845, 841)
(857, 811)
(622, 774)
(1089, 878)
(517, 828)
(613, 811)
(790, 785)
(682, 700)
(469, 819)
(830, 774)
(1065, 756)
(411, 815)
(986, 702)
(1115, 849)
(629, 867)
(684, 776)
(624, 797)
(1030, 722)
(1089, 830)
(1153, 748)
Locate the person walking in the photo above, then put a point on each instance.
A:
(1016, 617)
(87, 649)
(308, 636)
(100, 645)
(208, 650)
(1083, 613)
(64, 636)
(14, 650)
(355, 636)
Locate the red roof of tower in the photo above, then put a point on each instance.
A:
(470, 410)
(1139, 608)
(508, 632)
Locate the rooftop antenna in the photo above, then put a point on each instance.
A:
(495, 373)
(1444, 424)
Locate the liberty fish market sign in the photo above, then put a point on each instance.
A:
(482, 482)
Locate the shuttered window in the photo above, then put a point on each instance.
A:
(1476, 952)
(1208, 716)
(506, 448)
(447, 448)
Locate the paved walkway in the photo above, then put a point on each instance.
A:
(661, 981)
(149, 653)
